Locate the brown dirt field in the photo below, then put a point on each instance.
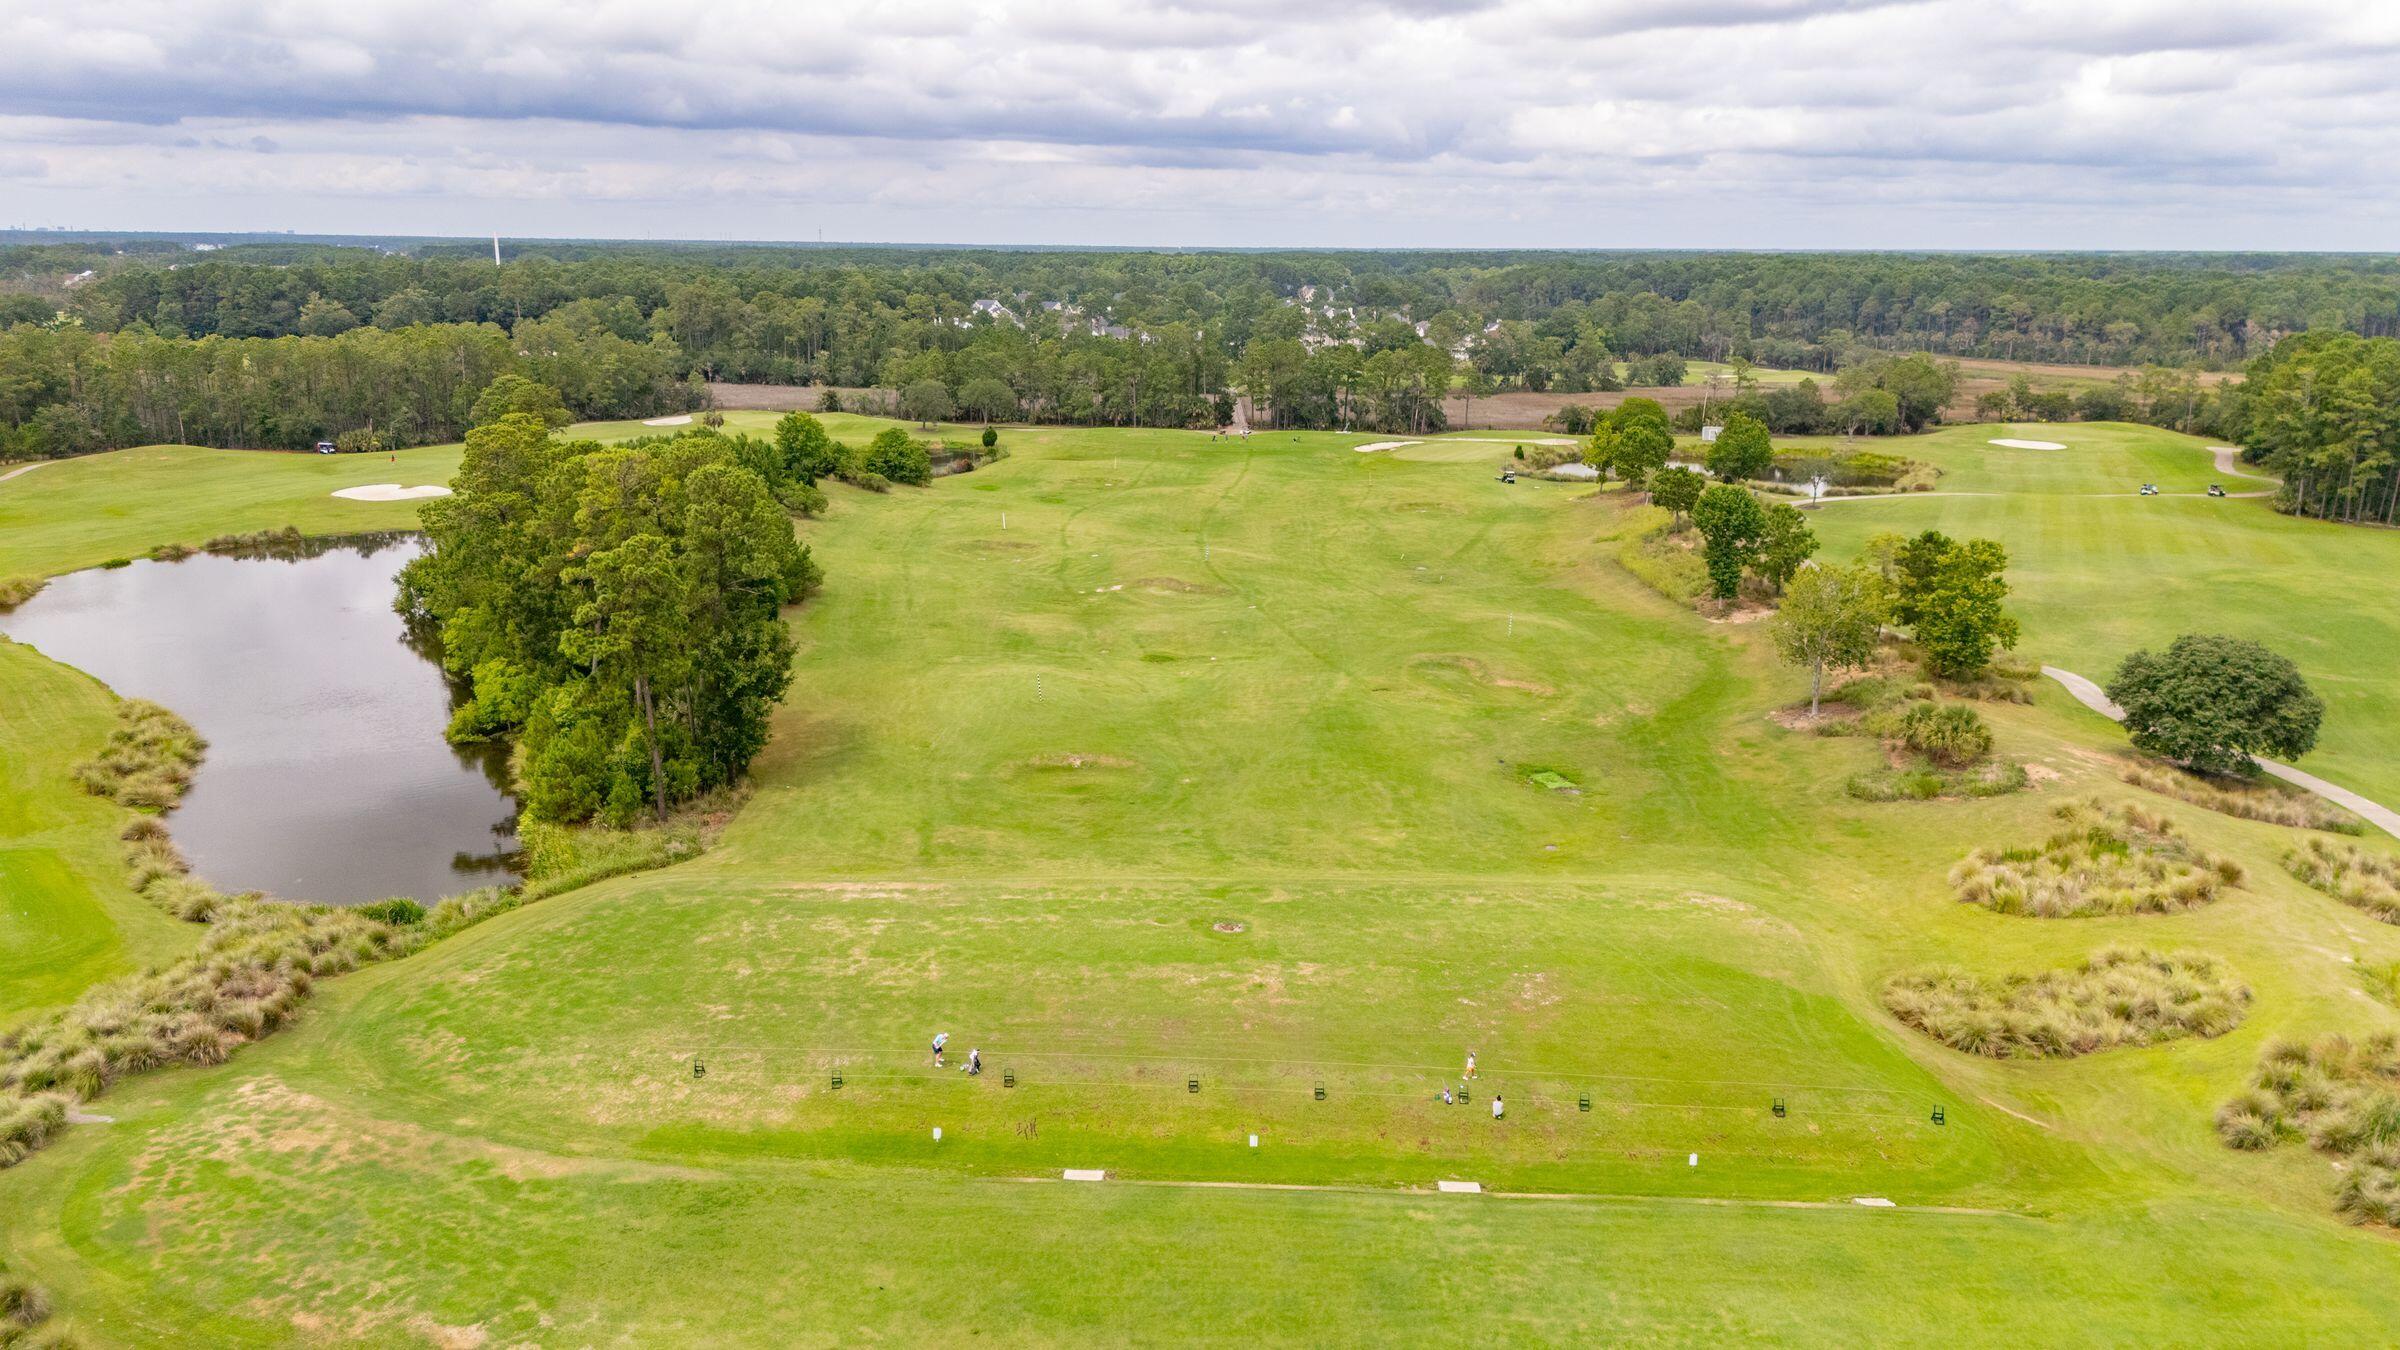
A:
(770, 397)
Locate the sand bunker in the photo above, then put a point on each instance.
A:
(1381, 445)
(679, 420)
(2028, 445)
(391, 492)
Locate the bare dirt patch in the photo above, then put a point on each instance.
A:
(1798, 718)
(1173, 586)
(1481, 673)
(1070, 760)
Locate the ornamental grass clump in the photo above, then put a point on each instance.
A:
(2341, 1097)
(2352, 875)
(148, 760)
(251, 972)
(2103, 860)
(2272, 803)
(2118, 997)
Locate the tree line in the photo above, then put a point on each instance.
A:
(152, 336)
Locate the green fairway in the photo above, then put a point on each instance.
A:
(1187, 778)
(2098, 576)
(67, 917)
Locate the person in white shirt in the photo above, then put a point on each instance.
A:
(1495, 1106)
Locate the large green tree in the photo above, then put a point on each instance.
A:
(1950, 592)
(1742, 450)
(1732, 524)
(2212, 701)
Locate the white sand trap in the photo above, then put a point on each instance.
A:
(2028, 445)
(391, 492)
(1381, 445)
(679, 420)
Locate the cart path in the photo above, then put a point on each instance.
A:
(2382, 817)
(25, 468)
(2226, 465)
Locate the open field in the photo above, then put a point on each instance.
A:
(1140, 758)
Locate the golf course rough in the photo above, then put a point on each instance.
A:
(1170, 900)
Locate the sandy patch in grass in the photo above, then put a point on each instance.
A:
(1797, 718)
(678, 420)
(1380, 445)
(1172, 585)
(1078, 761)
(2015, 444)
(390, 492)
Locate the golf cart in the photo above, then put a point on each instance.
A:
(1508, 475)
(326, 447)
(2216, 489)
(2149, 489)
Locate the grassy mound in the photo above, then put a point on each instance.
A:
(2271, 803)
(2350, 874)
(2118, 997)
(148, 761)
(2104, 860)
(1931, 749)
(2343, 1098)
(15, 591)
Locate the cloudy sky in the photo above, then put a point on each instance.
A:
(1545, 123)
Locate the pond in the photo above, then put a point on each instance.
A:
(327, 777)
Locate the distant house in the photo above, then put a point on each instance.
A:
(1708, 435)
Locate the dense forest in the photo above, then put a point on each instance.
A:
(114, 342)
(2323, 412)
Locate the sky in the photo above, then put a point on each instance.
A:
(1807, 124)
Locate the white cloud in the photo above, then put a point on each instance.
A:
(1788, 123)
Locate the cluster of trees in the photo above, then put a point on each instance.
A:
(617, 610)
(1742, 536)
(2323, 411)
(66, 390)
(1948, 592)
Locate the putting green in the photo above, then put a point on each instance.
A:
(1140, 759)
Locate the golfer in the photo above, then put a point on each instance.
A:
(940, 1039)
(1495, 1106)
(1470, 1064)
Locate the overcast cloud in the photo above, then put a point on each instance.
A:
(1547, 123)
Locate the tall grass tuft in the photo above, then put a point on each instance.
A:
(2118, 997)
(148, 761)
(2352, 875)
(2103, 860)
(2272, 803)
(2342, 1097)
(15, 591)
(24, 1308)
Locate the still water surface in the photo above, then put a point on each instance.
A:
(326, 777)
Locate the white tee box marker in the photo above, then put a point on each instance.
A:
(1087, 1174)
(1695, 1160)
(1459, 1187)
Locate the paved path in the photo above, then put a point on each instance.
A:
(25, 468)
(2225, 465)
(2382, 817)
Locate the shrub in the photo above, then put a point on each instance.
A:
(399, 911)
(2352, 875)
(803, 499)
(871, 481)
(2120, 860)
(2118, 997)
(1951, 735)
(257, 542)
(2267, 800)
